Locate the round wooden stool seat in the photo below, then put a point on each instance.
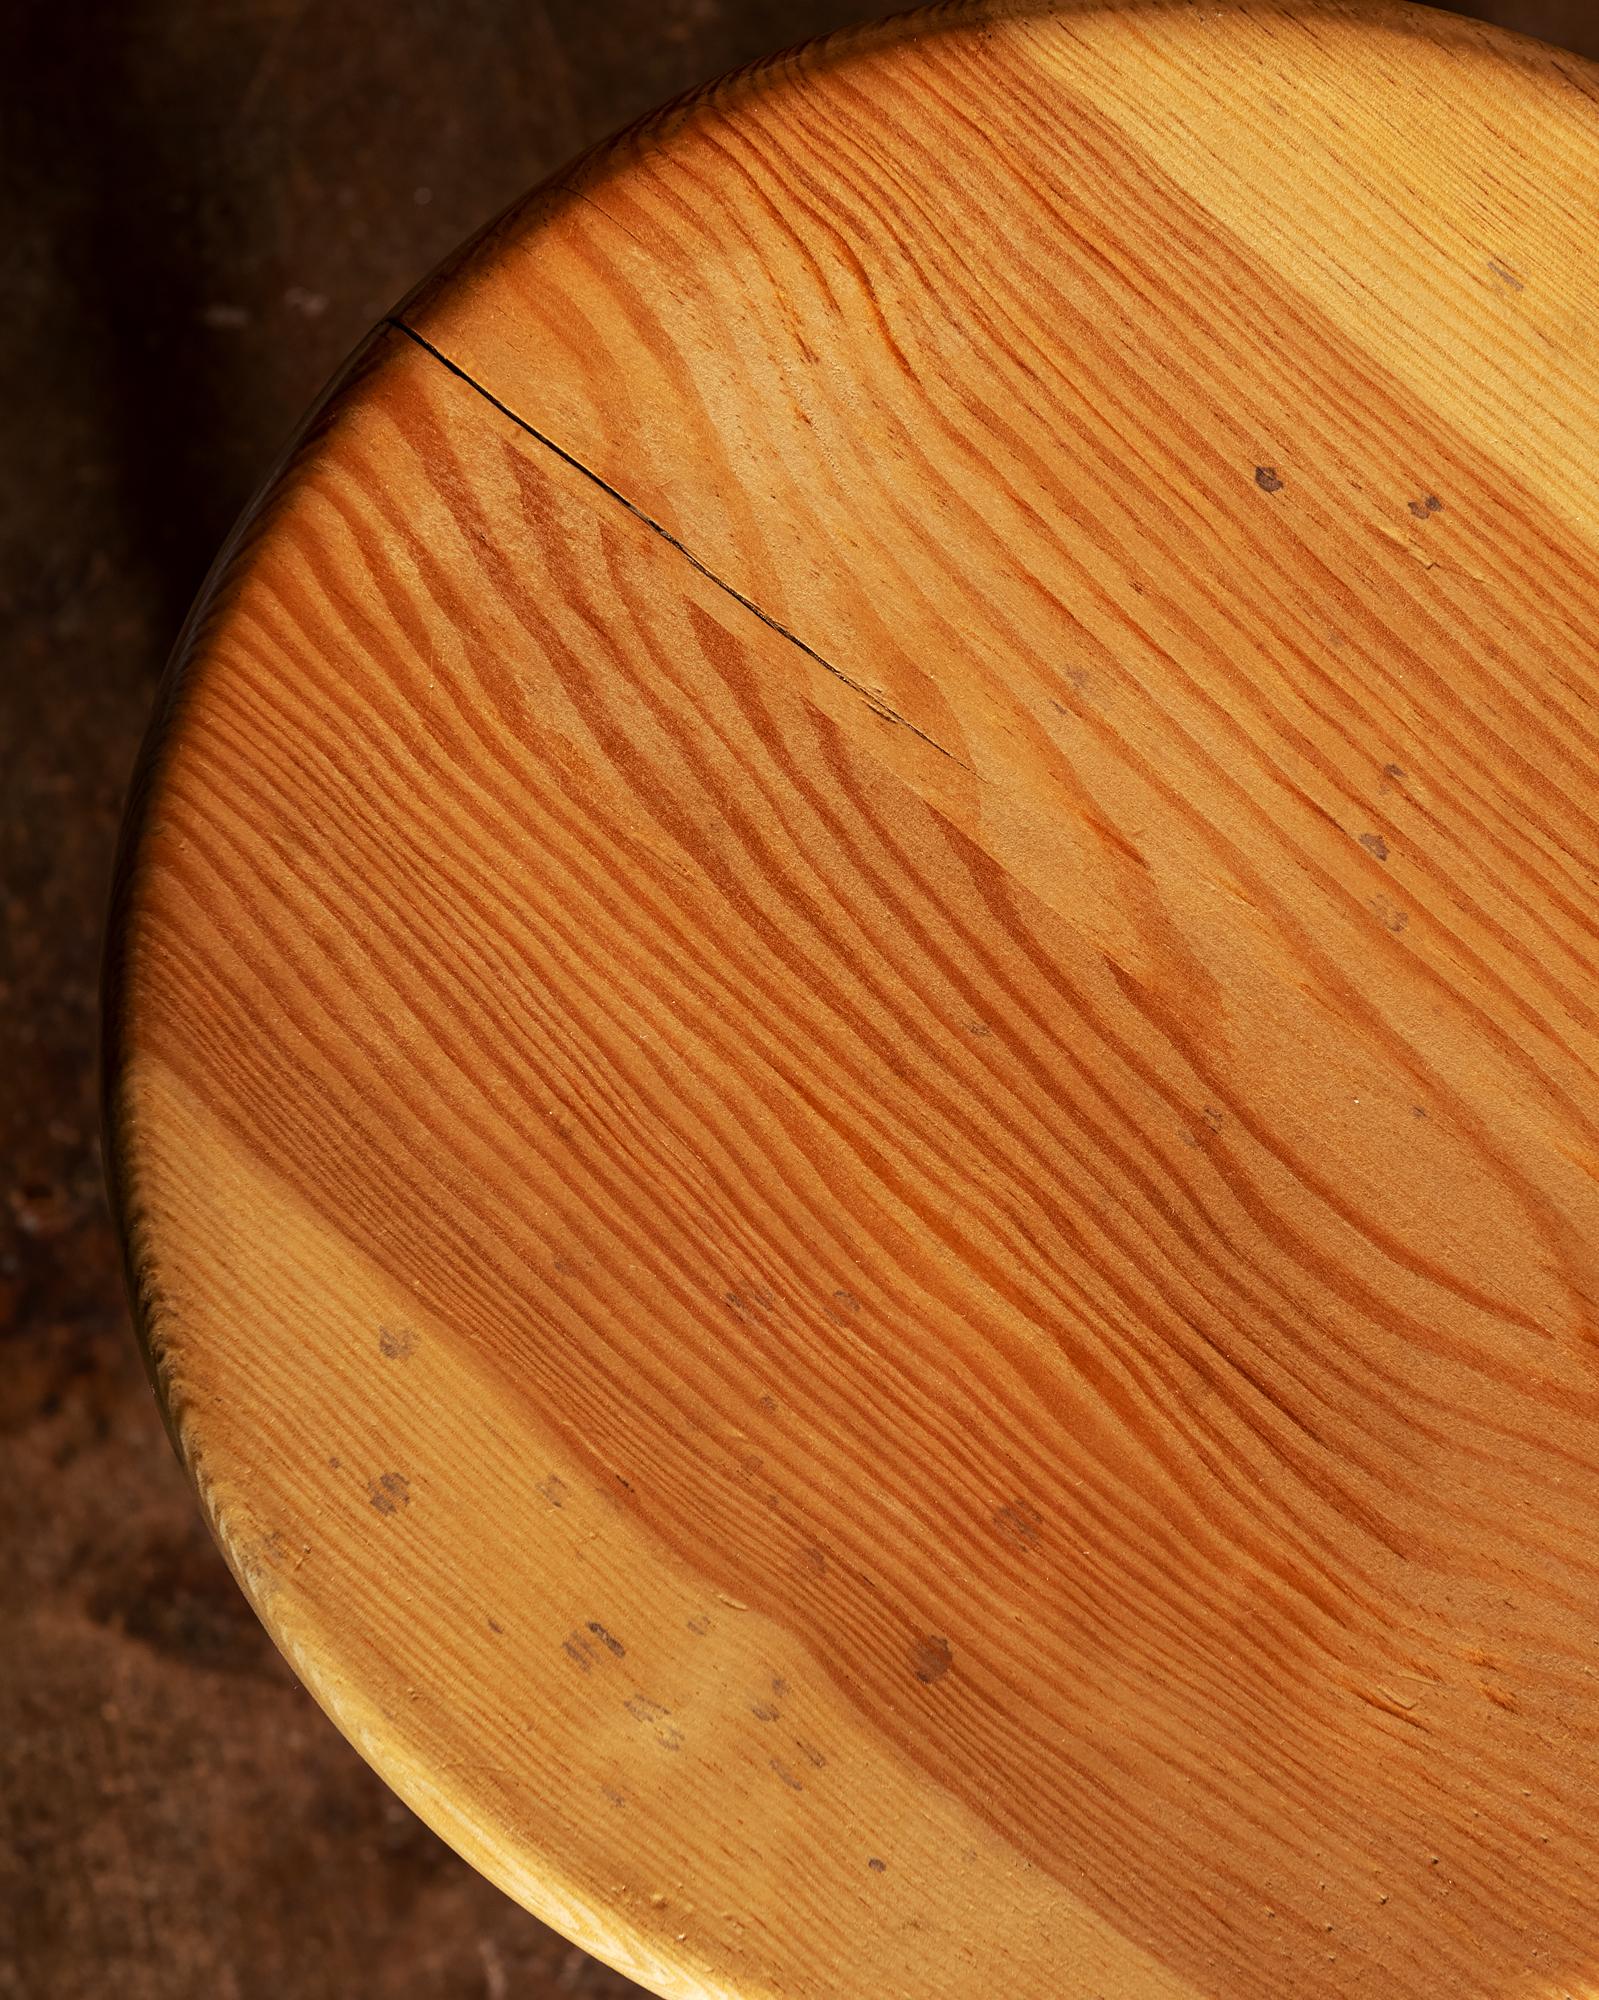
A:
(854, 1028)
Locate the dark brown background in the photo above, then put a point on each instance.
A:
(206, 203)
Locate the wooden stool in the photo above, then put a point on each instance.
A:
(854, 1029)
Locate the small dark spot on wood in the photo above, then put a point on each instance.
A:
(876, 1866)
(978, 1028)
(1392, 919)
(396, 1343)
(1375, 844)
(390, 1492)
(667, 1734)
(333, 1464)
(848, 1301)
(814, 1559)
(1417, 1112)
(611, 1645)
(779, 1686)
(616, 1798)
(794, 1784)
(1019, 1524)
(1213, 1117)
(1425, 509)
(699, 1627)
(554, 1490)
(931, 1659)
(625, 1484)
(577, 1651)
(495, 1626)
(811, 1754)
(764, 1711)
(768, 1403)
(1506, 276)
(1267, 480)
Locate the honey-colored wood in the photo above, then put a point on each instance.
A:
(853, 1066)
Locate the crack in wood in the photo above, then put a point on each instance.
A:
(870, 696)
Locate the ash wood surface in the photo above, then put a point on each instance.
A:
(853, 1032)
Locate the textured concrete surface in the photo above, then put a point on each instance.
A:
(206, 202)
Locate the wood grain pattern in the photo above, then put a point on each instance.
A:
(853, 1066)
